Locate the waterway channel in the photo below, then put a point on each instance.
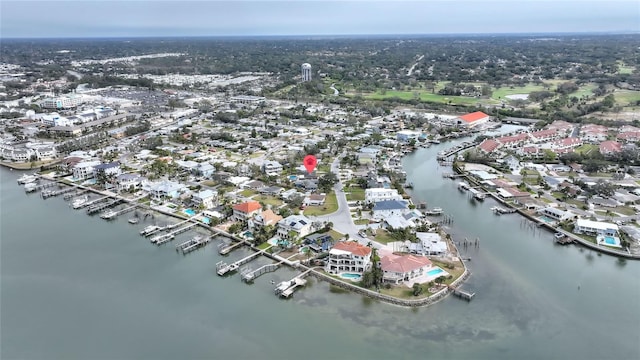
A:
(75, 286)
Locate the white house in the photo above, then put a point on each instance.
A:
(300, 225)
(207, 198)
(348, 256)
(128, 181)
(584, 226)
(387, 208)
(85, 170)
(108, 169)
(374, 195)
(272, 168)
(164, 188)
(431, 244)
(400, 268)
(557, 214)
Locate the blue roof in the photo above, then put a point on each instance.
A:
(390, 205)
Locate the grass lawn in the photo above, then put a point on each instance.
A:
(330, 206)
(209, 183)
(455, 272)
(501, 92)
(626, 97)
(423, 96)
(361, 221)
(256, 154)
(586, 149)
(268, 200)
(247, 193)
(382, 236)
(264, 245)
(584, 90)
(335, 235)
(624, 69)
(355, 194)
(625, 210)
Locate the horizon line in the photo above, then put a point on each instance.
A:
(353, 35)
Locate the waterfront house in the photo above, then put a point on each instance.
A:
(386, 208)
(556, 214)
(488, 146)
(348, 256)
(207, 198)
(164, 189)
(380, 194)
(128, 182)
(430, 243)
(267, 217)
(85, 169)
(594, 228)
(398, 269)
(244, 211)
(294, 227)
(107, 170)
(319, 242)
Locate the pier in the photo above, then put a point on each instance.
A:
(224, 249)
(115, 214)
(93, 202)
(69, 196)
(161, 239)
(287, 288)
(461, 293)
(248, 275)
(224, 268)
(500, 210)
(193, 244)
(49, 193)
(92, 209)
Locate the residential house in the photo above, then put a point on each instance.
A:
(126, 182)
(592, 133)
(272, 168)
(111, 169)
(556, 214)
(544, 135)
(318, 242)
(85, 169)
(254, 185)
(207, 198)
(314, 199)
(594, 228)
(244, 211)
(294, 227)
(398, 269)
(380, 194)
(488, 146)
(348, 256)
(610, 147)
(164, 189)
(271, 190)
(266, 218)
(387, 208)
(513, 141)
(430, 243)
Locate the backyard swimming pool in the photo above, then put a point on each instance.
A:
(350, 276)
(189, 212)
(609, 240)
(435, 271)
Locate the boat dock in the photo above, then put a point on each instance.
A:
(193, 244)
(248, 275)
(70, 196)
(164, 238)
(94, 202)
(121, 211)
(92, 209)
(49, 193)
(500, 210)
(461, 293)
(46, 185)
(287, 288)
(224, 250)
(222, 268)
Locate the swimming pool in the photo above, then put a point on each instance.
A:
(350, 276)
(189, 212)
(610, 240)
(435, 271)
(546, 219)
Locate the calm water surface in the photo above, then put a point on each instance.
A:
(78, 287)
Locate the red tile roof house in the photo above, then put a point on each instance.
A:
(513, 141)
(348, 256)
(566, 143)
(530, 152)
(544, 135)
(244, 211)
(488, 145)
(629, 136)
(473, 119)
(594, 133)
(610, 147)
(561, 126)
(400, 268)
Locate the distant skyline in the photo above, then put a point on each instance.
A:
(142, 18)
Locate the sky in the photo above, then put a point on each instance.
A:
(133, 18)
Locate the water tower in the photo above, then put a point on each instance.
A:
(306, 72)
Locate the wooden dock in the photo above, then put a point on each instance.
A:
(461, 293)
(248, 275)
(101, 206)
(164, 238)
(49, 193)
(193, 244)
(286, 288)
(224, 268)
(224, 249)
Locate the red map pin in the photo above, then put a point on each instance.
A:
(310, 163)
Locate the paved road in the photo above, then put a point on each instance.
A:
(341, 219)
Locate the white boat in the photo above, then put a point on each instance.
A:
(26, 179)
(434, 211)
(463, 186)
(149, 230)
(133, 221)
(30, 187)
(108, 214)
(79, 202)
